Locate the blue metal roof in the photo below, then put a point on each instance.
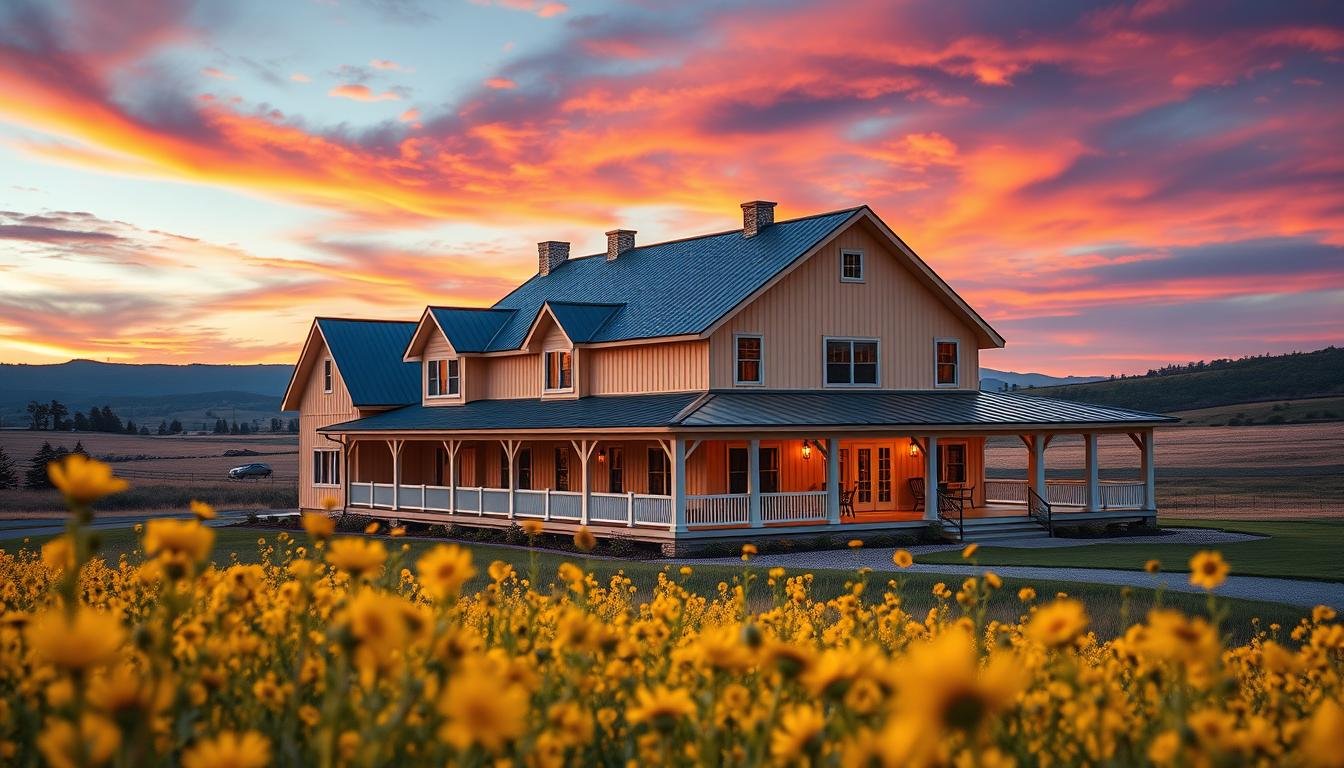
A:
(470, 329)
(627, 411)
(581, 322)
(667, 289)
(732, 409)
(368, 354)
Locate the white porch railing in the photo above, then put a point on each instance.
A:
(495, 501)
(1115, 494)
(566, 505)
(720, 509)
(609, 508)
(529, 503)
(651, 510)
(804, 506)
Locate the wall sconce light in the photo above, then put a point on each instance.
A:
(914, 449)
(807, 450)
(602, 455)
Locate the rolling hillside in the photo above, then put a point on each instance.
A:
(1279, 378)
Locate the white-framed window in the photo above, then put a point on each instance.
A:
(559, 370)
(326, 375)
(851, 362)
(946, 362)
(660, 473)
(326, 467)
(443, 378)
(851, 266)
(748, 359)
(952, 463)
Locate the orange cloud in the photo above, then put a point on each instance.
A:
(500, 83)
(360, 92)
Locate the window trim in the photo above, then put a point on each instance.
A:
(825, 342)
(335, 468)
(965, 447)
(328, 375)
(863, 265)
(545, 370)
(759, 363)
(448, 365)
(657, 456)
(956, 364)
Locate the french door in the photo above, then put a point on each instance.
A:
(872, 477)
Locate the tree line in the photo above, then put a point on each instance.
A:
(35, 476)
(55, 416)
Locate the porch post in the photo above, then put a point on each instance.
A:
(510, 452)
(585, 450)
(832, 481)
(754, 482)
(1149, 467)
(1038, 446)
(395, 447)
(931, 477)
(678, 486)
(451, 447)
(1092, 496)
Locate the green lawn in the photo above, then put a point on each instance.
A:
(1295, 549)
(1106, 603)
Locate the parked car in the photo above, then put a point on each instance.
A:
(254, 471)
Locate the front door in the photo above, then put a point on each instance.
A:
(871, 476)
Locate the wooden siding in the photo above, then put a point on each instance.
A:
(438, 348)
(811, 303)
(679, 366)
(319, 409)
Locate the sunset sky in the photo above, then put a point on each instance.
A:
(1112, 185)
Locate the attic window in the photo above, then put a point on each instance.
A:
(559, 370)
(326, 375)
(851, 266)
(945, 362)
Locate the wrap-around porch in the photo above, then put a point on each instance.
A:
(670, 486)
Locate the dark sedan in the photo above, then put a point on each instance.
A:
(250, 471)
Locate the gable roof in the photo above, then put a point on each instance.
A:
(368, 355)
(470, 329)
(582, 322)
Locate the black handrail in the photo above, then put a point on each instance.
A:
(1039, 510)
(946, 504)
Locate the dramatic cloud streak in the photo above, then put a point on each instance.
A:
(1071, 169)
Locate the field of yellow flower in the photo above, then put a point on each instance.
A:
(331, 652)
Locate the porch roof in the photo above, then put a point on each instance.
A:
(765, 410)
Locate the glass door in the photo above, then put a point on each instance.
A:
(863, 478)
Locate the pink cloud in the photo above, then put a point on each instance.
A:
(360, 92)
(500, 83)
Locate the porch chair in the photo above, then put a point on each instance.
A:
(917, 490)
(847, 502)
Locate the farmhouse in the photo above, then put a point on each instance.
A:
(803, 377)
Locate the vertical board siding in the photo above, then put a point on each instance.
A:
(319, 409)
(681, 366)
(438, 348)
(811, 303)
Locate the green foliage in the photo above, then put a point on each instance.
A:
(9, 475)
(1205, 385)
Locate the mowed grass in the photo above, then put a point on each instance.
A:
(1110, 609)
(1301, 549)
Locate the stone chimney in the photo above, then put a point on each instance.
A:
(619, 241)
(757, 215)
(551, 254)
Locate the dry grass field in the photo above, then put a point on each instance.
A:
(165, 472)
(1259, 472)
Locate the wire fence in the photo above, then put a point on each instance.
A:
(217, 476)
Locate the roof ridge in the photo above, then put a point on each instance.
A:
(364, 320)
(468, 309)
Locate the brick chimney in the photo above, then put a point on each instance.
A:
(551, 254)
(757, 215)
(619, 241)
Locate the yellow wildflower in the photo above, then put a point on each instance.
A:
(318, 525)
(202, 511)
(357, 557)
(584, 540)
(83, 480)
(1058, 623)
(444, 569)
(533, 528)
(229, 750)
(661, 707)
(59, 553)
(800, 732)
(1208, 570)
(91, 639)
(179, 543)
(93, 744)
(902, 558)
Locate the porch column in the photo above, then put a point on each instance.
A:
(452, 447)
(1149, 467)
(1092, 494)
(931, 477)
(754, 482)
(1037, 465)
(511, 453)
(395, 446)
(678, 486)
(585, 450)
(833, 481)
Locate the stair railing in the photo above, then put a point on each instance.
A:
(947, 507)
(1039, 510)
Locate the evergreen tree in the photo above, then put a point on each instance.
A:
(36, 476)
(234, 429)
(95, 420)
(294, 426)
(111, 422)
(81, 422)
(144, 431)
(163, 427)
(131, 428)
(221, 427)
(275, 424)
(58, 412)
(9, 475)
(79, 448)
(175, 428)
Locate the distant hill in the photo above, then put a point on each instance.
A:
(147, 394)
(994, 381)
(1220, 382)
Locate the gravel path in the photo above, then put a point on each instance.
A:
(1298, 592)
(1195, 536)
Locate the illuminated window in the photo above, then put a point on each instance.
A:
(559, 370)
(749, 359)
(945, 362)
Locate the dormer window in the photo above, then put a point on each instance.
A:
(326, 375)
(559, 370)
(749, 354)
(851, 266)
(443, 378)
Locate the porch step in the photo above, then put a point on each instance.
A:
(999, 528)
